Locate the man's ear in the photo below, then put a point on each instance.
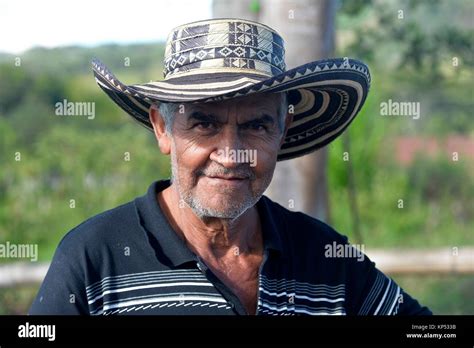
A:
(159, 128)
(288, 119)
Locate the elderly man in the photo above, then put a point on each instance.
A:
(207, 241)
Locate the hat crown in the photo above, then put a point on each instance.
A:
(224, 45)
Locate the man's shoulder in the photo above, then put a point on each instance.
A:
(304, 228)
(107, 226)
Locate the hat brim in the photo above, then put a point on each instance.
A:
(326, 95)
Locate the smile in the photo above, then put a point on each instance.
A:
(228, 181)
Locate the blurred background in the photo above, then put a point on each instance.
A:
(402, 186)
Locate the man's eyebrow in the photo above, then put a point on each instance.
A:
(207, 117)
(202, 117)
(264, 119)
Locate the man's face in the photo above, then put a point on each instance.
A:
(223, 154)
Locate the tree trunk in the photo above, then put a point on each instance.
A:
(307, 26)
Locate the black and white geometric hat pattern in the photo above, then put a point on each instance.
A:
(215, 60)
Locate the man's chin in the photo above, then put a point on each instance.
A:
(219, 201)
(224, 208)
(223, 211)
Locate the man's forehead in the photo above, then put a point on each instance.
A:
(269, 101)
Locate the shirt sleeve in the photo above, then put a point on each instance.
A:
(62, 291)
(371, 292)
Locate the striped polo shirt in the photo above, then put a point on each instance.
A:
(129, 261)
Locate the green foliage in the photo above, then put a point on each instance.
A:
(90, 168)
(444, 295)
(420, 35)
(354, 7)
(66, 158)
(14, 83)
(255, 6)
(439, 177)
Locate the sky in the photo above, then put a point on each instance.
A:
(51, 23)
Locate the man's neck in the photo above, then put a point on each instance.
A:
(212, 237)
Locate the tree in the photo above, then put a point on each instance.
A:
(307, 26)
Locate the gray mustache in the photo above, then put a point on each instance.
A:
(241, 172)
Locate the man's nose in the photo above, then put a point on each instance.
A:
(226, 149)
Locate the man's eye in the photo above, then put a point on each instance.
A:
(260, 127)
(204, 125)
(257, 127)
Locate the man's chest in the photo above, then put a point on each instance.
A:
(242, 280)
(198, 290)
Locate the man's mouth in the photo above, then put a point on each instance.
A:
(228, 177)
(235, 182)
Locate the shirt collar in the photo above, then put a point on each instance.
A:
(173, 248)
(170, 246)
(272, 224)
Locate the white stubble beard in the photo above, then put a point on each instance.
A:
(198, 207)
